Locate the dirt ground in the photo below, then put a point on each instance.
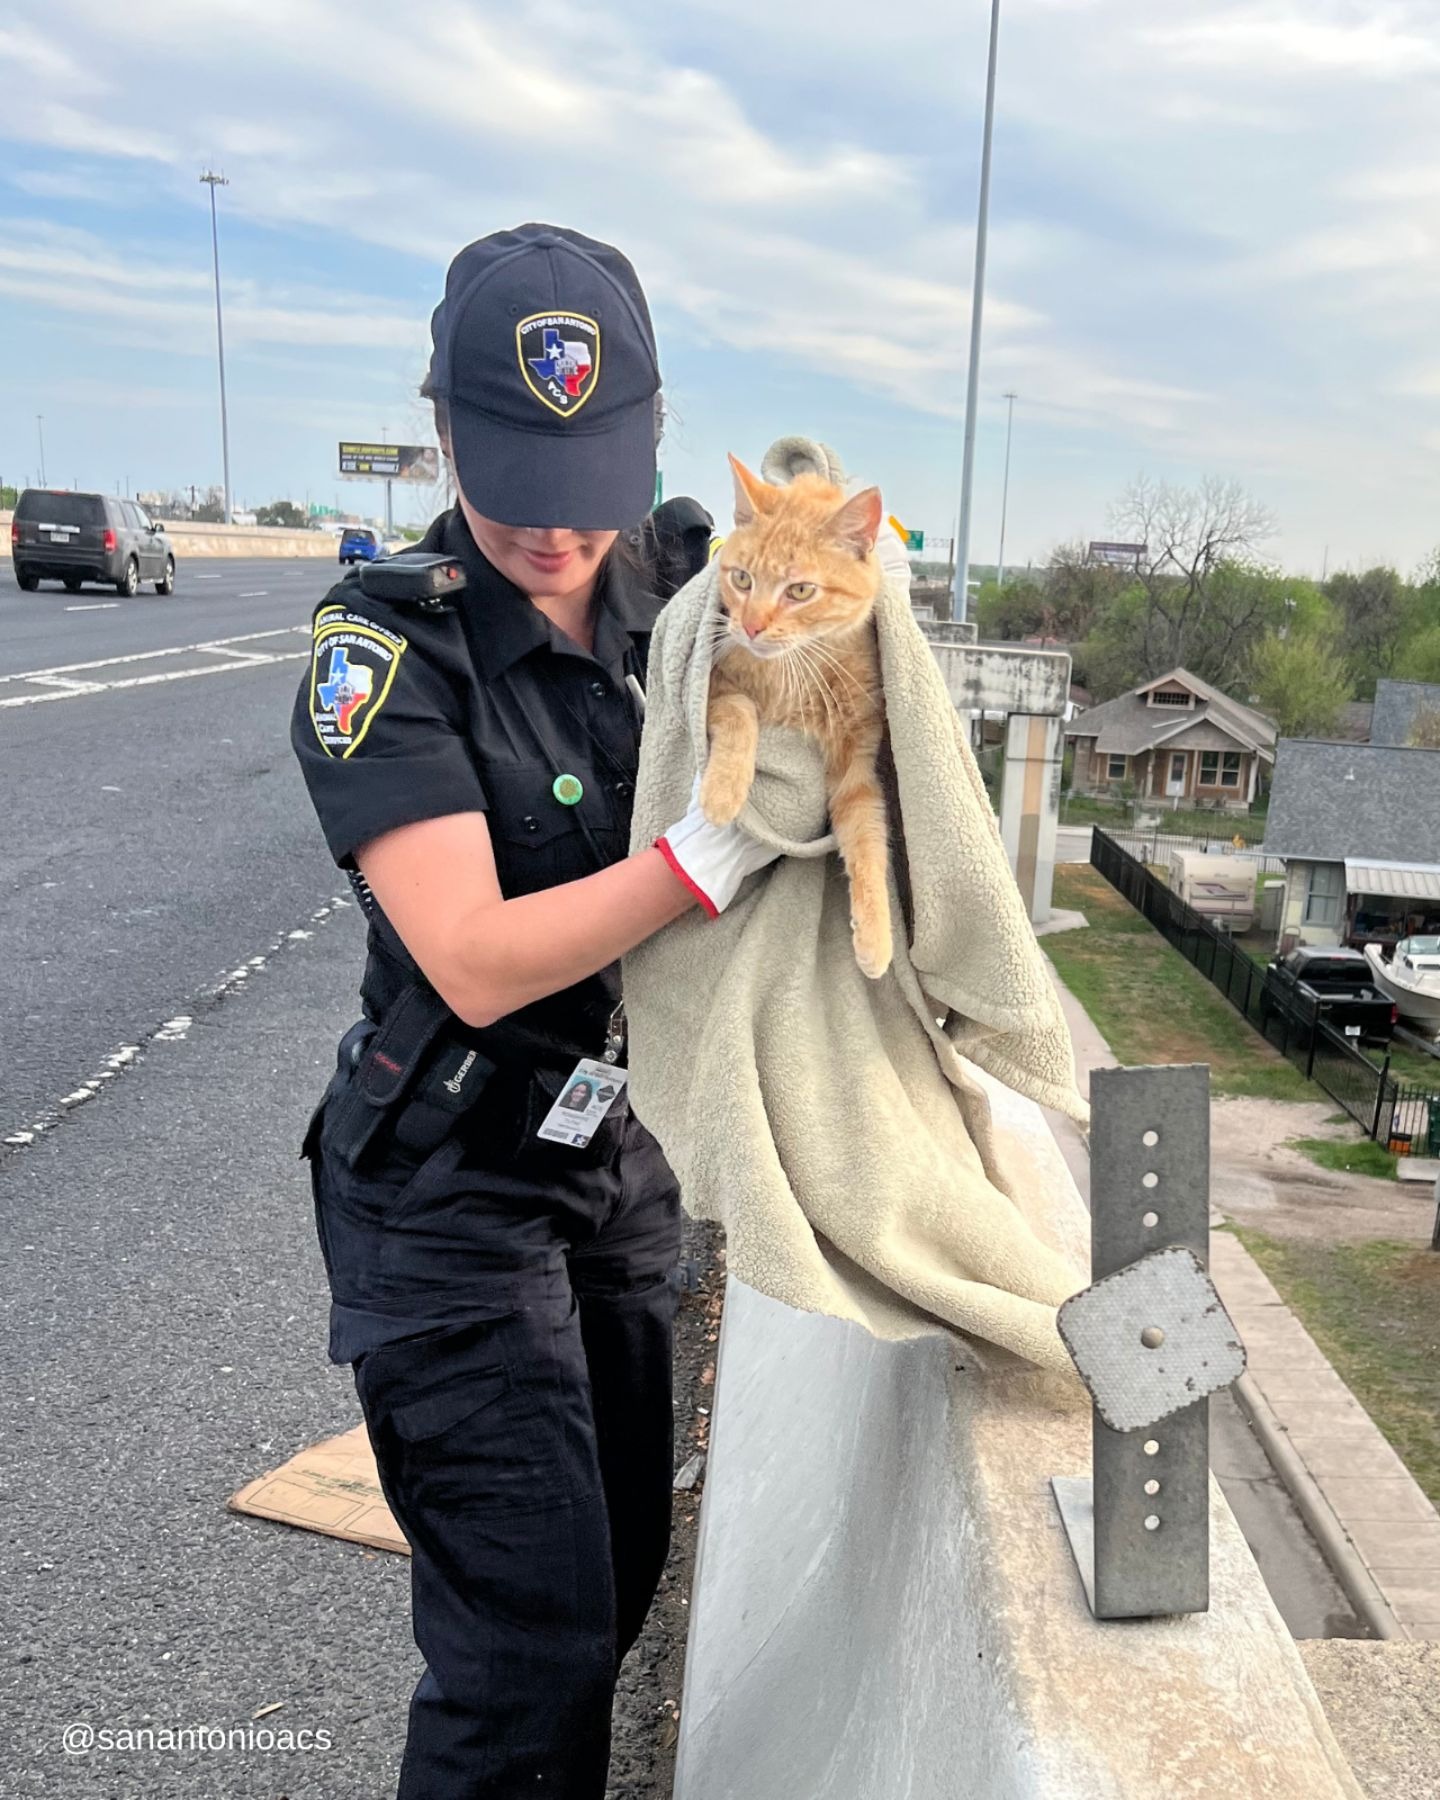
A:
(1257, 1181)
(647, 1699)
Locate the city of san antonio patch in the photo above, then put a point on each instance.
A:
(560, 359)
(351, 673)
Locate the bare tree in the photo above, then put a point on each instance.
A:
(1189, 535)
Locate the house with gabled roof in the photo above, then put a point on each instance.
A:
(1358, 827)
(1175, 739)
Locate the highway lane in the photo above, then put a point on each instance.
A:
(213, 597)
(158, 837)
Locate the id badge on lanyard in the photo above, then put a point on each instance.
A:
(590, 1090)
(589, 1093)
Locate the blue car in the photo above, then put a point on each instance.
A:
(358, 543)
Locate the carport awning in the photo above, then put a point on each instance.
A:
(1400, 881)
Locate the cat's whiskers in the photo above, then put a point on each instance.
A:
(809, 666)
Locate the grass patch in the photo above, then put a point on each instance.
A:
(1362, 1158)
(1086, 809)
(1338, 1119)
(1374, 1309)
(1147, 1001)
(1410, 1065)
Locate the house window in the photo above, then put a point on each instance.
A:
(1220, 768)
(1170, 697)
(1326, 894)
(1115, 768)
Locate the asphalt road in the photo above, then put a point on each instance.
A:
(162, 1305)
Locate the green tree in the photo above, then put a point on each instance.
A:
(1301, 681)
(284, 513)
(1421, 658)
(1014, 611)
(1378, 612)
(1189, 536)
(8, 497)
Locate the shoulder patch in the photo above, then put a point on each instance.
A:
(352, 670)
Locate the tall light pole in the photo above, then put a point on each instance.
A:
(960, 604)
(212, 181)
(40, 433)
(1005, 491)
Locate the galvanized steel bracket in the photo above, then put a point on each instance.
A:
(1152, 1342)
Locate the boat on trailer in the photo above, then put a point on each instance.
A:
(1411, 978)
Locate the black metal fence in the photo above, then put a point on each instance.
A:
(1393, 1112)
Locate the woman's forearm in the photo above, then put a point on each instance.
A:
(516, 951)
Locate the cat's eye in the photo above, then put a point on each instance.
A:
(800, 590)
(740, 580)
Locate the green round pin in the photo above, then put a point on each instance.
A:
(569, 790)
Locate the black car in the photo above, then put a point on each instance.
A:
(68, 537)
(1333, 981)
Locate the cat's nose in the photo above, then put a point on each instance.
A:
(753, 631)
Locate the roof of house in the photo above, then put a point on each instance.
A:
(1127, 725)
(1353, 724)
(1396, 704)
(1332, 801)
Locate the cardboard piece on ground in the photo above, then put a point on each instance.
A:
(1418, 1168)
(331, 1487)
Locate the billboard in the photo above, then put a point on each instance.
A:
(1119, 556)
(390, 462)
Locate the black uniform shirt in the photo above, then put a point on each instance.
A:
(407, 715)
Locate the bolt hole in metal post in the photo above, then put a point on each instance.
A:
(1148, 1283)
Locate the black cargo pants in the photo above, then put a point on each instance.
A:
(519, 1304)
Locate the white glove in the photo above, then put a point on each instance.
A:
(712, 860)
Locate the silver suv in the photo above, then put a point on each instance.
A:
(63, 536)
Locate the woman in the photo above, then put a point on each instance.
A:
(502, 1286)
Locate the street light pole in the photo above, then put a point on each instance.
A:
(960, 605)
(212, 181)
(1005, 490)
(40, 433)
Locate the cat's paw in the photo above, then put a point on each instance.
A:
(873, 946)
(722, 794)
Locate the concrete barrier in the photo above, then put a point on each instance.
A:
(191, 539)
(886, 1606)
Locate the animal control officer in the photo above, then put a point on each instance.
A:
(501, 1272)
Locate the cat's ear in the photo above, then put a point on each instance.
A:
(857, 524)
(752, 495)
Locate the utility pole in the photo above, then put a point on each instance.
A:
(1005, 490)
(960, 607)
(212, 181)
(40, 433)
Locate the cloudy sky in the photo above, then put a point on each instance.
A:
(1215, 242)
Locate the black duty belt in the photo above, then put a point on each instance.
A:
(413, 1072)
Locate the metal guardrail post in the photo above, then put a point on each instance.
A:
(1151, 1341)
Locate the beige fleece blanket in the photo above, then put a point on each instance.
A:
(826, 1120)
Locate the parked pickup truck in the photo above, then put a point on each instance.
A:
(1335, 980)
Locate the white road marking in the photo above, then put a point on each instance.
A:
(258, 594)
(68, 682)
(95, 606)
(204, 577)
(172, 1031)
(59, 683)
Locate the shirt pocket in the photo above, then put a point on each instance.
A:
(537, 840)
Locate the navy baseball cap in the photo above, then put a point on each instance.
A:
(545, 358)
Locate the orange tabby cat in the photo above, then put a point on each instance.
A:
(798, 583)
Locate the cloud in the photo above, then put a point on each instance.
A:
(1265, 42)
(1212, 237)
(73, 272)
